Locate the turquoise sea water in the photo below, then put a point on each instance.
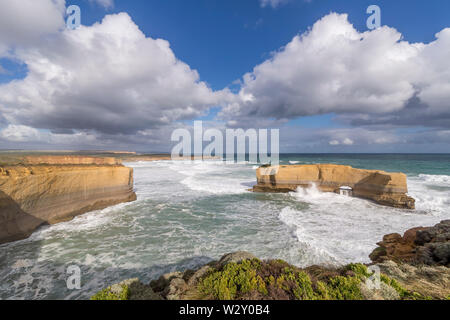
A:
(189, 213)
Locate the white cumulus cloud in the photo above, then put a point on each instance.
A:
(108, 77)
(333, 68)
(24, 22)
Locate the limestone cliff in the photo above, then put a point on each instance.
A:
(382, 187)
(66, 159)
(34, 195)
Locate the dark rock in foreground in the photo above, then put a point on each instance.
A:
(430, 246)
(241, 276)
(414, 266)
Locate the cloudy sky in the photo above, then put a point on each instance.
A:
(136, 70)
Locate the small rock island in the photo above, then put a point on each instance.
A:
(389, 189)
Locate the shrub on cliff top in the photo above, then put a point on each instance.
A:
(235, 280)
(276, 279)
(110, 294)
(360, 270)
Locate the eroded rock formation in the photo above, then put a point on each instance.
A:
(34, 195)
(430, 246)
(385, 188)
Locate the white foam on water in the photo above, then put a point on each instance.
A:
(317, 253)
(173, 225)
(22, 263)
(214, 186)
(439, 180)
(432, 193)
(214, 177)
(294, 162)
(338, 229)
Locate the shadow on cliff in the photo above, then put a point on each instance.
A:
(29, 273)
(375, 178)
(15, 224)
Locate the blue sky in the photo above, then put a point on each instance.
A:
(225, 39)
(222, 41)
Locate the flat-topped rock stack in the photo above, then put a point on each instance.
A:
(51, 189)
(385, 188)
(67, 159)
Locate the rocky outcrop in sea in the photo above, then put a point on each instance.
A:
(385, 188)
(429, 246)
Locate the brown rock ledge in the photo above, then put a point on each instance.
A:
(429, 246)
(382, 187)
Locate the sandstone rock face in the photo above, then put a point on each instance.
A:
(65, 160)
(382, 187)
(31, 196)
(430, 246)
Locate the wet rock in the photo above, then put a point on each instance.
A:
(429, 246)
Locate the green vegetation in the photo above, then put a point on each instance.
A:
(360, 270)
(344, 288)
(109, 294)
(404, 294)
(233, 279)
(275, 279)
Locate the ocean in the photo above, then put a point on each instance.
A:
(189, 213)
